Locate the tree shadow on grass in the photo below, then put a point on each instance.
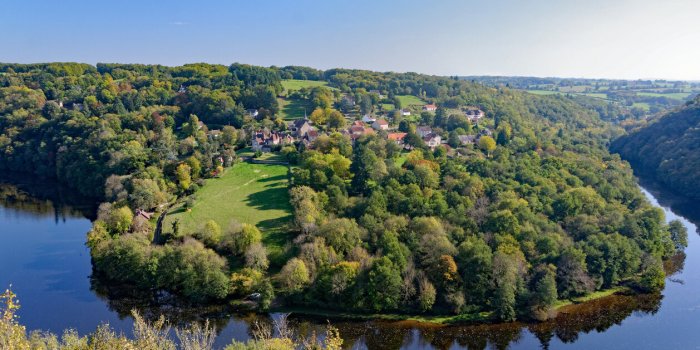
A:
(275, 198)
(277, 233)
(273, 178)
(278, 229)
(177, 210)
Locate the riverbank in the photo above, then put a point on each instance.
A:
(441, 320)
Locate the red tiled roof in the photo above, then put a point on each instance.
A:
(396, 136)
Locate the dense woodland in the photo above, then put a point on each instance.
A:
(540, 213)
(667, 149)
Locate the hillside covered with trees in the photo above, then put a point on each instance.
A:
(667, 149)
(515, 212)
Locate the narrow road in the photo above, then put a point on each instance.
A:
(157, 236)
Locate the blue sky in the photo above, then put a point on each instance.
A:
(594, 38)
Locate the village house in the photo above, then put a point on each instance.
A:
(474, 115)
(380, 124)
(144, 214)
(253, 113)
(358, 129)
(368, 118)
(432, 140)
(200, 125)
(397, 137)
(214, 134)
(430, 108)
(424, 131)
(486, 132)
(467, 139)
(405, 112)
(263, 140)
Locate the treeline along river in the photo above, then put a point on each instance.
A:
(44, 257)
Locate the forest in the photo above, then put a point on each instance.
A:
(508, 228)
(666, 149)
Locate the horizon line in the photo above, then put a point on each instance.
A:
(496, 75)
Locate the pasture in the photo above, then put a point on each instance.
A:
(248, 193)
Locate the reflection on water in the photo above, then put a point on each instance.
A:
(43, 229)
(42, 199)
(574, 320)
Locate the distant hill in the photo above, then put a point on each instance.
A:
(668, 149)
(637, 98)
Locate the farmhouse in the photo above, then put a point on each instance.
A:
(144, 214)
(485, 132)
(474, 114)
(263, 140)
(397, 137)
(358, 129)
(424, 131)
(466, 139)
(380, 124)
(432, 140)
(430, 108)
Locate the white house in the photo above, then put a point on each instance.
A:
(432, 140)
(380, 124)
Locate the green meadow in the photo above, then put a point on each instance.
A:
(249, 193)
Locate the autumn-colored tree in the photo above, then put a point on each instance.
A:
(319, 116)
(184, 178)
(487, 144)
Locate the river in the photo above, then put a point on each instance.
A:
(44, 258)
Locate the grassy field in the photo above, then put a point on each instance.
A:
(542, 92)
(387, 107)
(401, 158)
(272, 157)
(293, 109)
(677, 95)
(642, 105)
(596, 95)
(249, 193)
(294, 84)
(410, 100)
(590, 297)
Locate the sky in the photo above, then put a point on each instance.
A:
(619, 39)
